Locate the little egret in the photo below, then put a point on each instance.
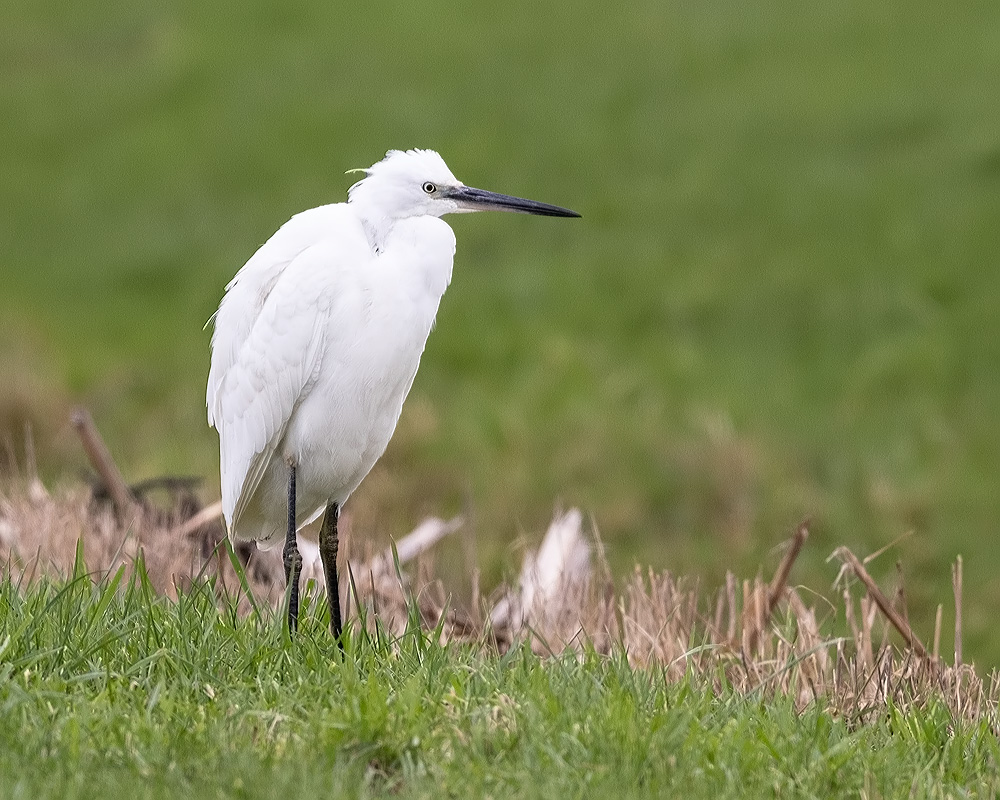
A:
(316, 344)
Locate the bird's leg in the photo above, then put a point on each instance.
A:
(292, 558)
(328, 552)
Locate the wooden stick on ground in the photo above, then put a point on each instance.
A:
(418, 541)
(900, 624)
(203, 517)
(102, 462)
(422, 538)
(777, 587)
(778, 583)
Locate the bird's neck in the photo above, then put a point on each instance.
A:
(376, 224)
(377, 233)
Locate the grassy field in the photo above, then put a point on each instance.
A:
(107, 693)
(781, 301)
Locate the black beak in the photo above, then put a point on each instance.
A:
(470, 199)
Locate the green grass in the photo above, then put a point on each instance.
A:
(109, 691)
(781, 301)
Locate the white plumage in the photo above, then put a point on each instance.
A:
(319, 336)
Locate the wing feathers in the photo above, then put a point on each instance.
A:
(269, 341)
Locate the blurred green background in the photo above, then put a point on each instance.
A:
(781, 301)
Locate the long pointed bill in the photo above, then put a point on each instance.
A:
(470, 199)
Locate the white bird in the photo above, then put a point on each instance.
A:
(316, 344)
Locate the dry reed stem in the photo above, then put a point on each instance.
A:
(937, 631)
(956, 581)
(777, 587)
(880, 599)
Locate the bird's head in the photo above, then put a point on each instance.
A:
(414, 183)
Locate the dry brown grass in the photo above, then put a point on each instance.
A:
(755, 636)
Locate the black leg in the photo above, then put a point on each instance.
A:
(328, 552)
(292, 558)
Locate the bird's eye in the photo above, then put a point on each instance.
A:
(430, 188)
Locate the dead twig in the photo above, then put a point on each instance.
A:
(777, 587)
(900, 624)
(102, 462)
(423, 538)
(206, 515)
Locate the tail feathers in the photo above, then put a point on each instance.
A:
(266, 534)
